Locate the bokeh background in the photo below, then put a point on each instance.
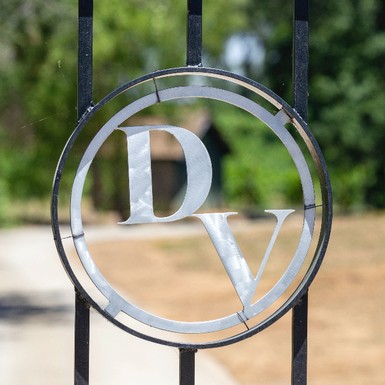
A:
(38, 54)
(38, 98)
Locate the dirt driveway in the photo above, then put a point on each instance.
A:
(36, 325)
(346, 324)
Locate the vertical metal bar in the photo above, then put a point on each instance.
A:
(194, 32)
(301, 56)
(299, 342)
(187, 366)
(85, 34)
(82, 311)
(194, 58)
(300, 82)
(82, 340)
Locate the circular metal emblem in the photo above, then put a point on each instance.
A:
(208, 85)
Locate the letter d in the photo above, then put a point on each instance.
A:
(198, 168)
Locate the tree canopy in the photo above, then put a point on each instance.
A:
(38, 56)
(346, 94)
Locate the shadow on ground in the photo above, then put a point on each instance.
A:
(20, 308)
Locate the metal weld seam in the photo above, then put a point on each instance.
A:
(78, 236)
(242, 320)
(156, 90)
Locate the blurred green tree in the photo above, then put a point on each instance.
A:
(346, 93)
(38, 54)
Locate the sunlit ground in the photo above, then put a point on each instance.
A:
(184, 280)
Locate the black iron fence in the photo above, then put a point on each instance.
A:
(299, 301)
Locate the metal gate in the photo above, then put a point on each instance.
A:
(298, 302)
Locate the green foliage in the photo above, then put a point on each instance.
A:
(38, 59)
(38, 93)
(259, 171)
(346, 94)
(4, 194)
(38, 55)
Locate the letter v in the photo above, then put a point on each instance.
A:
(243, 280)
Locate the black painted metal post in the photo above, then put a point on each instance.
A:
(85, 35)
(300, 80)
(82, 340)
(187, 366)
(82, 308)
(299, 342)
(194, 58)
(194, 32)
(301, 56)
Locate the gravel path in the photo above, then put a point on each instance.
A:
(36, 324)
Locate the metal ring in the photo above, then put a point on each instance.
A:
(285, 113)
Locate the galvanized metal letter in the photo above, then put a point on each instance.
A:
(198, 168)
(231, 255)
